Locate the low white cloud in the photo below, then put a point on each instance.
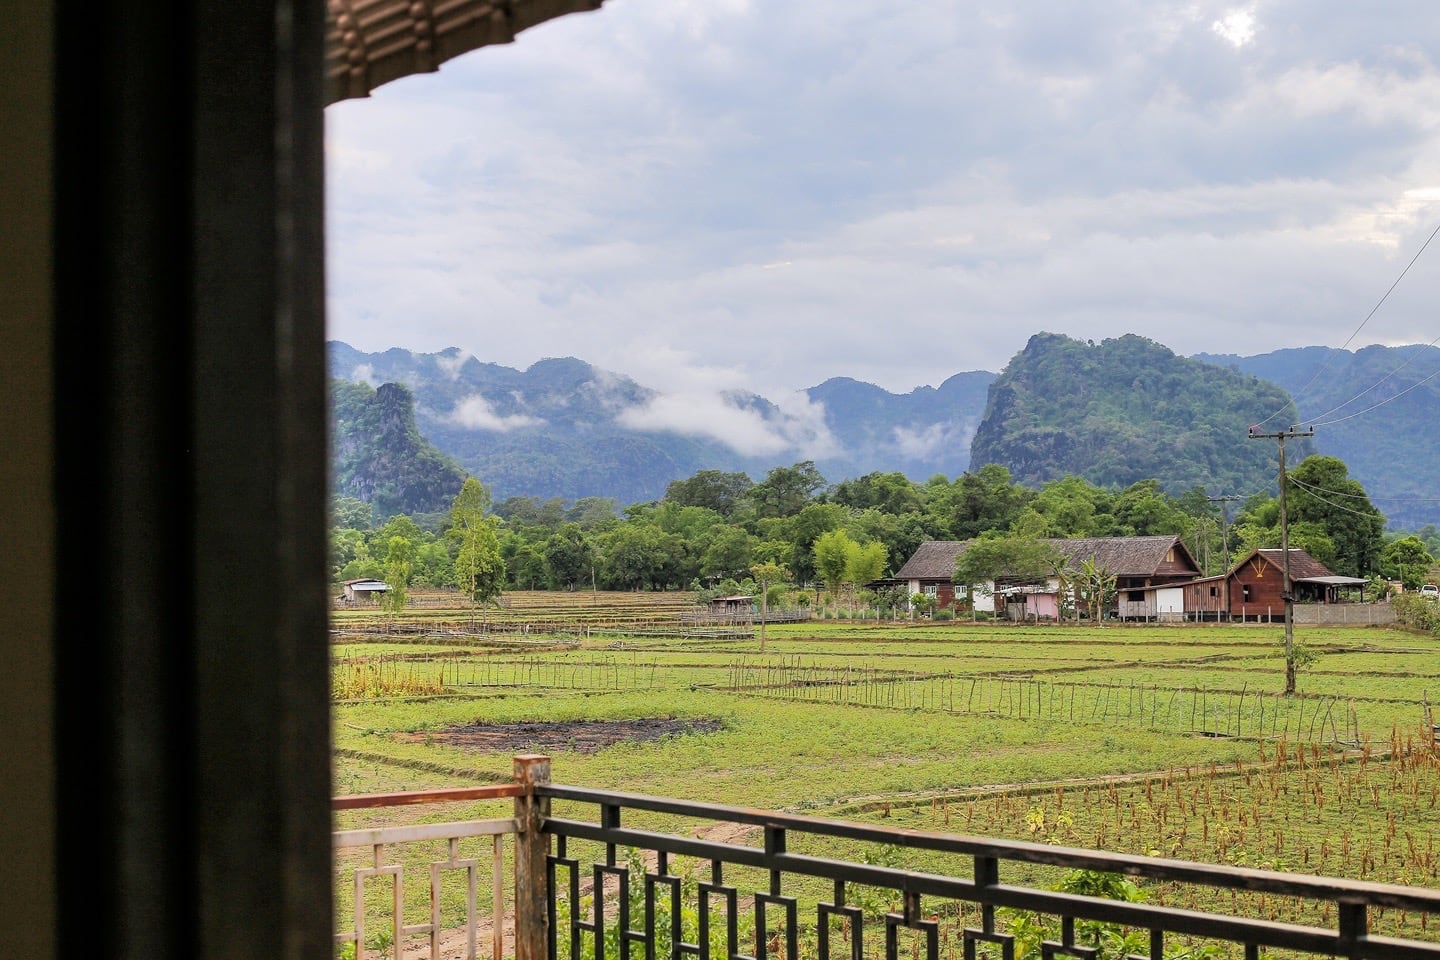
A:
(365, 373)
(476, 413)
(924, 443)
(796, 428)
(451, 361)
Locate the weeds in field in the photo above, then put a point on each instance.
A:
(374, 680)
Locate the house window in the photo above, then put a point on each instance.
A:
(1214, 591)
(1245, 592)
(1135, 596)
(931, 589)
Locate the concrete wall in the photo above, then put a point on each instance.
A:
(1332, 614)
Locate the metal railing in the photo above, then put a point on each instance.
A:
(791, 895)
(384, 865)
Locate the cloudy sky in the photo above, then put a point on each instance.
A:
(721, 194)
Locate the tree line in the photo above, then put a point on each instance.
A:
(716, 528)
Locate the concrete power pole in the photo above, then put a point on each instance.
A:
(1280, 437)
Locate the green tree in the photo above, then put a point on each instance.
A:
(785, 490)
(1142, 510)
(998, 559)
(592, 513)
(569, 557)
(1068, 507)
(985, 501)
(1406, 559)
(479, 568)
(399, 556)
(433, 565)
(767, 575)
(888, 492)
(1092, 586)
(524, 562)
(866, 562)
(1322, 492)
(726, 551)
(400, 525)
(351, 512)
(804, 528)
(832, 551)
(712, 489)
(636, 556)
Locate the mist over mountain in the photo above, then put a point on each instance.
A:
(563, 428)
(1113, 412)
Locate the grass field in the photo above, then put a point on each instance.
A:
(973, 728)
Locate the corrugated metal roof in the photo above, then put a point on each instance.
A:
(371, 42)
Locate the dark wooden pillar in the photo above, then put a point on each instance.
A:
(532, 849)
(192, 719)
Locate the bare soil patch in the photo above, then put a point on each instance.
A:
(574, 736)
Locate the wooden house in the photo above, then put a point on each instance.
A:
(1148, 572)
(1254, 588)
(732, 606)
(931, 571)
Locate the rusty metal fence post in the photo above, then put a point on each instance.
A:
(532, 847)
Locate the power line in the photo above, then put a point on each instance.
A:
(1368, 496)
(1379, 383)
(1326, 365)
(1316, 492)
(1374, 406)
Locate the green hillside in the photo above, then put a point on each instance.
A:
(1125, 410)
(379, 455)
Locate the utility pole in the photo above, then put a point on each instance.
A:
(1280, 437)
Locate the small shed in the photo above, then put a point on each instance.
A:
(735, 605)
(364, 589)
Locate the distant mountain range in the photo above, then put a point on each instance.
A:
(1113, 412)
(562, 428)
(1377, 408)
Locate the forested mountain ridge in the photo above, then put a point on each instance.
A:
(1376, 410)
(562, 428)
(1126, 410)
(379, 456)
(548, 431)
(1113, 413)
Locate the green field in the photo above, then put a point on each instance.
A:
(987, 729)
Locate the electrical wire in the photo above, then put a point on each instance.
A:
(1378, 384)
(1375, 406)
(1315, 492)
(1362, 496)
(1326, 365)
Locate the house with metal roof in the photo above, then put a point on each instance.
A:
(365, 589)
